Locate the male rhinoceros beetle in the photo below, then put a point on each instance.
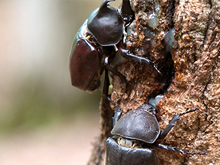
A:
(133, 133)
(94, 46)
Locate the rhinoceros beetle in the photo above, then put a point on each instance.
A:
(94, 46)
(133, 134)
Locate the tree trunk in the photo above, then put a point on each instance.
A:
(190, 77)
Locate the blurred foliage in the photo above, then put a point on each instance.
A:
(34, 108)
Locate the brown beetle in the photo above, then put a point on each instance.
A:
(94, 46)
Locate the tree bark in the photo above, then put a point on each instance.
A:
(190, 77)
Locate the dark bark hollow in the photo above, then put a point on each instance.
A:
(191, 77)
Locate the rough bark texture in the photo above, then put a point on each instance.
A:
(190, 77)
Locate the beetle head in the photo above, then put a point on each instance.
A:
(106, 24)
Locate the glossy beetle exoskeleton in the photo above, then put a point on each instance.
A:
(94, 46)
(85, 63)
(132, 124)
(106, 25)
(134, 132)
(119, 155)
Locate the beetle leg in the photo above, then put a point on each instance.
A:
(126, 54)
(178, 149)
(172, 123)
(117, 113)
(106, 83)
(114, 71)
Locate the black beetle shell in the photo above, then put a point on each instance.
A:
(106, 25)
(118, 155)
(138, 124)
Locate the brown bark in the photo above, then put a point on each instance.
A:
(196, 82)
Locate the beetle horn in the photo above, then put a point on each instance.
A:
(104, 3)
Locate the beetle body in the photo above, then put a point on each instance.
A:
(94, 46)
(118, 155)
(137, 125)
(133, 134)
(85, 74)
